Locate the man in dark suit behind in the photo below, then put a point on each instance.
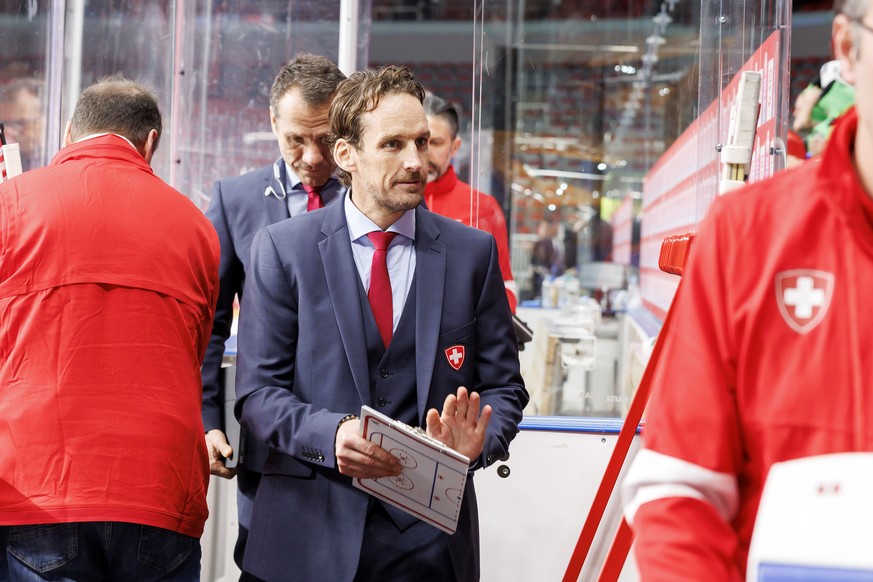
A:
(240, 207)
(313, 350)
(545, 258)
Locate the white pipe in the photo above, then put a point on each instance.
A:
(347, 52)
(54, 127)
(73, 66)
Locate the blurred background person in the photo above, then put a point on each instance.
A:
(598, 233)
(22, 114)
(546, 258)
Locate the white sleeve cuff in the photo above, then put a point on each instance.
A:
(654, 476)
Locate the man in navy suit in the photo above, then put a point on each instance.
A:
(311, 353)
(240, 207)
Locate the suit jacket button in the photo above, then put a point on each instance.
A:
(383, 372)
(382, 402)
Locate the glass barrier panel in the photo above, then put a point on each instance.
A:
(128, 38)
(589, 97)
(232, 51)
(210, 63)
(564, 108)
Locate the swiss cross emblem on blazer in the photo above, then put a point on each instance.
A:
(803, 297)
(455, 356)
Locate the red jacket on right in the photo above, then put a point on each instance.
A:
(769, 360)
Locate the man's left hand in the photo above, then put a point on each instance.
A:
(460, 426)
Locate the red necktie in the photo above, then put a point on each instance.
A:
(379, 294)
(314, 197)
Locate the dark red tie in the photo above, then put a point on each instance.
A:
(379, 294)
(314, 200)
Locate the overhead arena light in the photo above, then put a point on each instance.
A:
(543, 173)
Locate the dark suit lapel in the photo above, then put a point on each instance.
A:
(342, 284)
(277, 208)
(430, 275)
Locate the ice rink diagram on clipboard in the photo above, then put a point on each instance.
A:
(431, 485)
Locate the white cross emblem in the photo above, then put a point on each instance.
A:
(803, 297)
(455, 356)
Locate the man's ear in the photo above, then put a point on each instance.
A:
(273, 123)
(343, 155)
(456, 145)
(150, 146)
(844, 47)
(68, 134)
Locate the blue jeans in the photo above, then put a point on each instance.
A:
(100, 551)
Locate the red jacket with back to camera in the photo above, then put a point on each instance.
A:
(108, 280)
(448, 196)
(768, 361)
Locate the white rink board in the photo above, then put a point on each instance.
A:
(531, 520)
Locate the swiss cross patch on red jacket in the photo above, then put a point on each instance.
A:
(803, 296)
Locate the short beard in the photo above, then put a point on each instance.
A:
(396, 203)
(399, 204)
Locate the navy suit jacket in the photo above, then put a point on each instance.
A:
(238, 209)
(302, 366)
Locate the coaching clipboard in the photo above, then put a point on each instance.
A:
(431, 485)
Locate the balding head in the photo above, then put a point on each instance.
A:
(117, 105)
